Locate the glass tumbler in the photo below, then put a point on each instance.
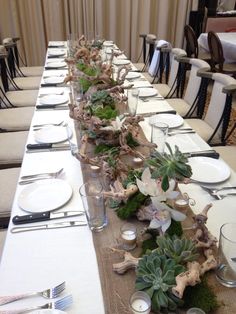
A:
(92, 197)
(133, 98)
(159, 135)
(226, 270)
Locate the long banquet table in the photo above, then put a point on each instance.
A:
(33, 261)
(228, 41)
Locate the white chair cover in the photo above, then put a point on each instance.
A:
(156, 56)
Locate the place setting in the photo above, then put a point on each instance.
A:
(55, 53)
(53, 102)
(55, 64)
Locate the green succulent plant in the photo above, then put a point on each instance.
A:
(156, 276)
(102, 97)
(182, 250)
(172, 165)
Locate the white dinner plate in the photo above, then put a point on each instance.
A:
(52, 134)
(172, 120)
(51, 64)
(49, 311)
(121, 61)
(56, 44)
(44, 195)
(108, 43)
(209, 170)
(147, 92)
(54, 80)
(56, 52)
(132, 75)
(53, 99)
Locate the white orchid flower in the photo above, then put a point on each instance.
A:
(152, 187)
(115, 125)
(163, 214)
(147, 185)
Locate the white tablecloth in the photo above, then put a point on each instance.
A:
(228, 41)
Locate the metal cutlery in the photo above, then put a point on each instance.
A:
(181, 132)
(49, 293)
(40, 148)
(158, 112)
(60, 304)
(215, 190)
(64, 124)
(215, 195)
(58, 225)
(146, 99)
(204, 153)
(47, 124)
(42, 216)
(43, 174)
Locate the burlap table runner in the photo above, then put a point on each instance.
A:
(116, 288)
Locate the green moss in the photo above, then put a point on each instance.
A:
(105, 113)
(149, 244)
(201, 296)
(133, 204)
(101, 149)
(131, 141)
(175, 228)
(131, 177)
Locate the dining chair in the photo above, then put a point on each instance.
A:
(228, 151)
(16, 83)
(11, 45)
(217, 56)
(12, 148)
(214, 124)
(192, 47)
(172, 87)
(8, 183)
(193, 102)
(147, 51)
(16, 98)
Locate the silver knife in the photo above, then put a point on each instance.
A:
(39, 148)
(42, 216)
(49, 226)
(204, 153)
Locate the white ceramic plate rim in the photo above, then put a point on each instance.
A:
(56, 64)
(44, 195)
(132, 75)
(56, 53)
(147, 92)
(121, 62)
(56, 44)
(54, 80)
(53, 99)
(172, 120)
(52, 134)
(209, 170)
(49, 311)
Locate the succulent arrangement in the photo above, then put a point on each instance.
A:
(182, 250)
(172, 165)
(156, 276)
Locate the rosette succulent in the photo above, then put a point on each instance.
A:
(156, 276)
(169, 166)
(182, 250)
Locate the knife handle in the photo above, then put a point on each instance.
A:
(45, 106)
(214, 155)
(39, 146)
(25, 219)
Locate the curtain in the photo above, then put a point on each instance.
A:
(38, 21)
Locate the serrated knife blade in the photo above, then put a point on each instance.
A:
(49, 226)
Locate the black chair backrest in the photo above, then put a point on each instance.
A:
(191, 42)
(216, 51)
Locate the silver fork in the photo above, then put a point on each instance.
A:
(45, 124)
(60, 304)
(50, 293)
(215, 190)
(41, 175)
(215, 195)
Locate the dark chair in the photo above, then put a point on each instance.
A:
(217, 56)
(192, 48)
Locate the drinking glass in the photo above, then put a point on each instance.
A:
(92, 197)
(77, 92)
(159, 135)
(133, 98)
(226, 270)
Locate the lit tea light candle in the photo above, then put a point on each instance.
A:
(140, 303)
(128, 236)
(138, 161)
(95, 169)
